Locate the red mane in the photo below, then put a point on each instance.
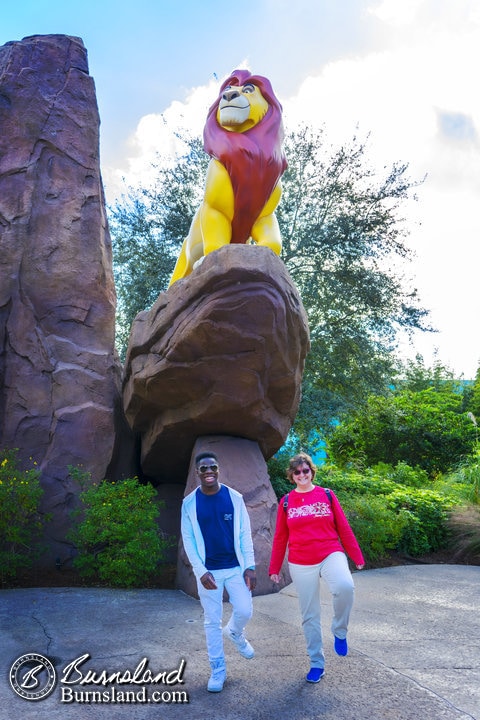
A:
(253, 159)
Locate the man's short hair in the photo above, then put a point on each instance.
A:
(205, 454)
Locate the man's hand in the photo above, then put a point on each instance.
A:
(208, 581)
(250, 577)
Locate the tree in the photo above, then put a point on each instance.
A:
(147, 226)
(425, 427)
(341, 237)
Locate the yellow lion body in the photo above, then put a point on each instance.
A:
(240, 109)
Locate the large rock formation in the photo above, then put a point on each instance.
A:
(217, 364)
(222, 352)
(59, 376)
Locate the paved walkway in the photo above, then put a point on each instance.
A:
(414, 653)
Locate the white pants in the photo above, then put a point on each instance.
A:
(306, 578)
(212, 602)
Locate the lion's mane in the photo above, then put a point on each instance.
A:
(253, 159)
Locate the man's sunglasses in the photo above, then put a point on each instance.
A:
(205, 468)
(302, 471)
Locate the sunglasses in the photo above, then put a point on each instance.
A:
(205, 468)
(302, 471)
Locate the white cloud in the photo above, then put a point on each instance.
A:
(157, 134)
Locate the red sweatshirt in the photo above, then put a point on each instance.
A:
(313, 530)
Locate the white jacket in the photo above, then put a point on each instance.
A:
(194, 543)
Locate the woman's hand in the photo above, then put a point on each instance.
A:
(359, 567)
(275, 578)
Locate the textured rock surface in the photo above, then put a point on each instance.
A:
(59, 377)
(222, 352)
(243, 468)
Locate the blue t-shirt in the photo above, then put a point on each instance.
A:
(215, 517)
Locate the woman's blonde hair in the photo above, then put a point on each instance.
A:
(300, 459)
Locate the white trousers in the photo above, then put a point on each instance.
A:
(212, 602)
(306, 578)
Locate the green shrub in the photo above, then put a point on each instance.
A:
(389, 510)
(349, 482)
(20, 520)
(402, 474)
(425, 428)
(117, 538)
(377, 527)
(469, 475)
(426, 513)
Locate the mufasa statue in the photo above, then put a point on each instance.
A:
(243, 135)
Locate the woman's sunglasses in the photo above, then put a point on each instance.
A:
(302, 471)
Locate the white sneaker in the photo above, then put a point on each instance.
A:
(218, 676)
(241, 643)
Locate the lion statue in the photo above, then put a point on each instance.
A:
(243, 135)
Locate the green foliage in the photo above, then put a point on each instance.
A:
(20, 520)
(353, 482)
(117, 538)
(377, 527)
(425, 428)
(426, 512)
(277, 472)
(467, 476)
(402, 474)
(342, 232)
(474, 399)
(147, 227)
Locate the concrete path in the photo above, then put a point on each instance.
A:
(414, 653)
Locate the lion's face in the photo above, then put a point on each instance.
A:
(241, 107)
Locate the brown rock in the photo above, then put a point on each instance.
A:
(59, 375)
(222, 352)
(243, 468)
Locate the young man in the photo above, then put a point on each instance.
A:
(218, 542)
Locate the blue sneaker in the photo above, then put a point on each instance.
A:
(315, 675)
(340, 646)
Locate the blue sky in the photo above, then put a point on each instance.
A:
(405, 71)
(145, 53)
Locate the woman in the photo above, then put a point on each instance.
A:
(312, 523)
